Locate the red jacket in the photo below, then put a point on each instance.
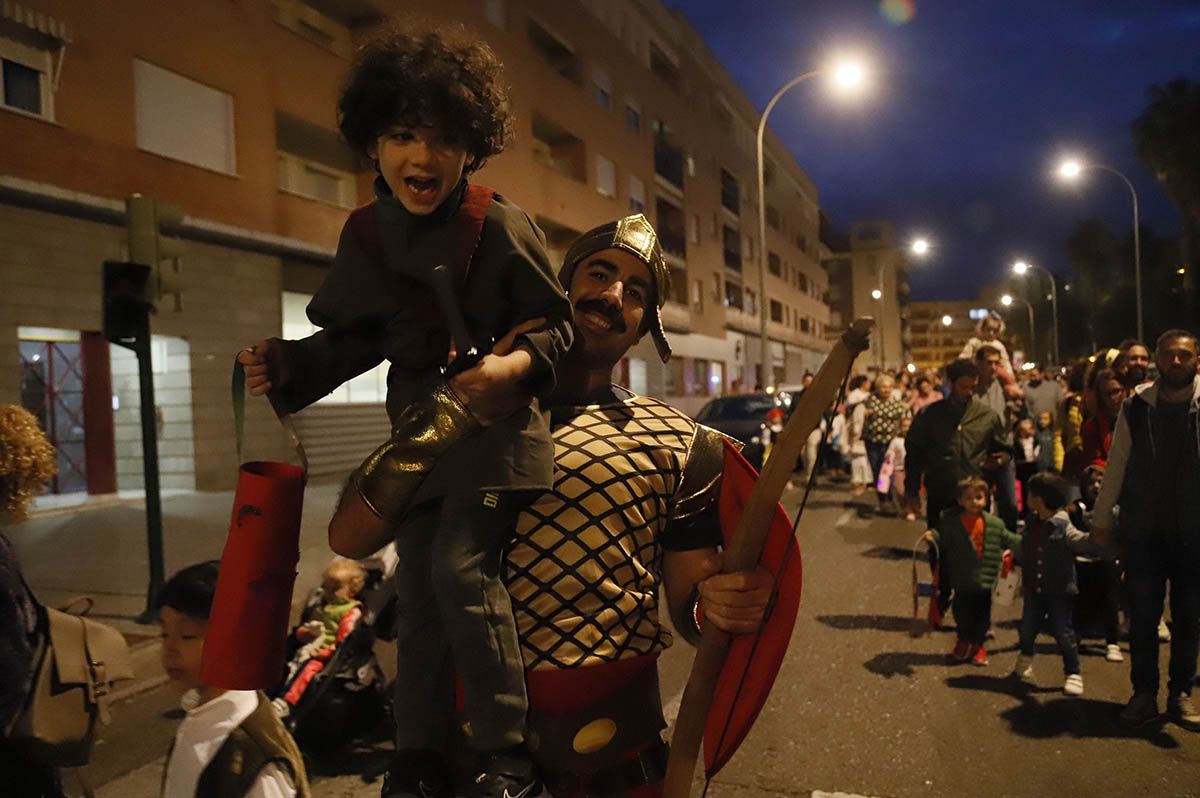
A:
(1097, 434)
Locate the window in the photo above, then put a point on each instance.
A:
(750, 305)
(669, 225)
(694, 228)
(673, 377)
(369, 387)
(557, 148)
(319, 28)
(297, 175)
(776, 310)
(555, 52)
(699, 384)
(698, 295)
(733, 295)
(637, 194)
(730, 192)
(496, 12)
(26, 78)
(184, 120)
(633, 117)
(606, 177)
(774, 265)
(773, 216)
(802, 281)
(664, 66)
(732, 244)
(603, 87)
(668, 157)
(805, 324)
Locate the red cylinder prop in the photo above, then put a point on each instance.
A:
(244, 646)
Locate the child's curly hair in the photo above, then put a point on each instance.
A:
(27, 461)
(442, 77)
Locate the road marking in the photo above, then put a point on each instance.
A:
(823, 794)
(844, 518)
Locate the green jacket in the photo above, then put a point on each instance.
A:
(962, 568)
(948, 441)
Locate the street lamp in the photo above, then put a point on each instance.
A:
(1071, 169)
(919, 246)
(1021, 268)
(1007, 300)
(848, 76)
(877, 294)
(947, 320)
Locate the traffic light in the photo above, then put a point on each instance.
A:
(145, 220)
(126, 307)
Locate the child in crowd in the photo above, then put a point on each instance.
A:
(1099, 577)
(988, 332)
(1048, 563)
(1027, 451)
(1047, 457)
(428, 109)
(893, 470)
(230, 743)
(328, 625)
(971, 543)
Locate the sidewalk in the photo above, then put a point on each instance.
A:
(96, 546)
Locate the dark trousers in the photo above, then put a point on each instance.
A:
(454, 616)
(1149, 565)
(1099, 602)
(876, 452)
(1058, 609)
(973, 615)
(934, 507)
(1004, 481)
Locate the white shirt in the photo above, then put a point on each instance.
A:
(203, 732)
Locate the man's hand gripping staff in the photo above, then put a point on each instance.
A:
(746, 549)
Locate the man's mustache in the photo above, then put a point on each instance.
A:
(610, 313)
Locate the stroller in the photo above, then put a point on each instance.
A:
(348, 696)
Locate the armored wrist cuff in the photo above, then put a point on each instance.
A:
(427, 428)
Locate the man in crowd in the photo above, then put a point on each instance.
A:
(1133, 363)
(999, 470)
(633, 509)
(1043, 394)
(1153, 475)
(949, 440)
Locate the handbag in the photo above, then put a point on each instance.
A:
(76, 664)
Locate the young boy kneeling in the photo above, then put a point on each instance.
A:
(971, 544)
(230, 744)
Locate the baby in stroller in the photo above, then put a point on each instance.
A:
(334, 688)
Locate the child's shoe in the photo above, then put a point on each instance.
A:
(1112, 653)
(1073, 685)
(508, 774)
(978, 656)
(961, 651)
(1023, 670)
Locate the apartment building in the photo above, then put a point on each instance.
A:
(939, 330)
(868, 276)
(226, 110)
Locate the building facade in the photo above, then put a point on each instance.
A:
(940, 329)
(868, 276)
(228, 112)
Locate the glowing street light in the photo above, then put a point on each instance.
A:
(1022, 268)
(876, 293)
(1007, 301)
(919, 246)
(1071, 169)
(947, 320)
(848, 76)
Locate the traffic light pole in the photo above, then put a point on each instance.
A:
(154, 528)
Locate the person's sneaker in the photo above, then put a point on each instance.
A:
(961, 651)
(1141, 709)
(1112, 653)
(507, 775)
(1182, 710)
(417, 774)
(1164, 631)
(1073, 685)
(979, 656)
(1023, 670)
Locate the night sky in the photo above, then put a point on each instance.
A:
(971, 107)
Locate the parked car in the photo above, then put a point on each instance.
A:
(740, 417)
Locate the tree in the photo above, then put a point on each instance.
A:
(1167, 135)
(1092, 253)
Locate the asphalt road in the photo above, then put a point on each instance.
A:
(861, 706)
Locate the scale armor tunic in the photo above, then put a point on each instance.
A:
(633, 477)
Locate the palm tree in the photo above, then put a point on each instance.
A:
(1167, 135)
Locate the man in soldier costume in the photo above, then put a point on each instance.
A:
(633, 508)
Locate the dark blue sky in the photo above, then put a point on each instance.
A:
(973, 103)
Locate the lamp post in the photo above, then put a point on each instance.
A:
(877, 294)
(1007, 301)
(848, 76)
(1022, 267)
(1070, 170)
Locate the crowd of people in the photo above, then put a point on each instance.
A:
(1087, 473)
